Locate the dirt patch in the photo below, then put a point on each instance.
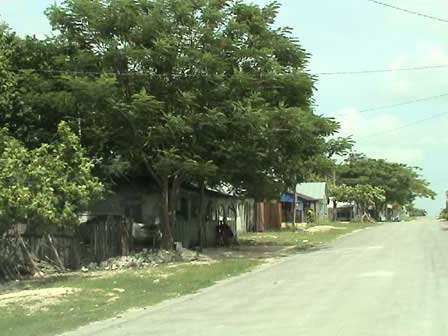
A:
(246, 251)
(37, 299)
(324, 228)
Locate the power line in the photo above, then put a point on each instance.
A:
(381, 70)
(404, 126)
(408, 11)
(67, 72)
(394, 105)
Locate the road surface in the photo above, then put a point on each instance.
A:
(389, 280)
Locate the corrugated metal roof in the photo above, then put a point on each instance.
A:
(289, 198)
(312, 189)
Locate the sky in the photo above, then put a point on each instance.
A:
(357, 35)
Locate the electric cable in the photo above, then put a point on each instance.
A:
(413, 101)
(401, 127)
(408, 11)
(68, 72)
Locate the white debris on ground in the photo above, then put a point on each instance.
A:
(324, 228)
(36, 299)
(146, 258)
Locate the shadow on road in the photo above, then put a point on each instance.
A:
(307, 249)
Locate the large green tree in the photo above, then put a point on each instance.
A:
(187, 91)
(48, 186)
(401, 183)
(363, 195)
(8, 81)
(45, 188)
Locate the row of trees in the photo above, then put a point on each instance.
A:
(375, 182)
(363, 195)
(206, 92)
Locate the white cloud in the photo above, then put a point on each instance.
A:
(399, 62)
(404, 85)
(386, 135)
(396, 153)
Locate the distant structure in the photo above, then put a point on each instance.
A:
(446, 203)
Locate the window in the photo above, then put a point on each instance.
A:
(211, 212)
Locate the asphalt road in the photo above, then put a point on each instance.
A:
(389, 280)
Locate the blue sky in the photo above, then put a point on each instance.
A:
(352, 35)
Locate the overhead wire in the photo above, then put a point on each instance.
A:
(413, 101)
(372, 136)
(69, 72)
(408, 11)
(381, 70)
(434, 116)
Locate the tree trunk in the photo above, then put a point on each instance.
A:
(335, 211)
(167, 238)
(75, 253)
(202, 237)
(32, 266)
(55, 251)
(173, 196)
(125, 236)
(294, 210)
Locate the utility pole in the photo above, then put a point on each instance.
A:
(294, 207)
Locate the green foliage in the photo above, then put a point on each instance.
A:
(443, 214)
(415, 212)
(47, 186)
(341, 192)
(339, 146)
(180, 90)
(227, 93)
(323, 165)
(8, 80)
(401, 183)
(364, 195)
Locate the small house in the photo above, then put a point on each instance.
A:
(317, 192)
(140, 201)
(304, 203)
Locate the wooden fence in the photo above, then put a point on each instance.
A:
(97, 240)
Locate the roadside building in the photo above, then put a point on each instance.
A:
(446, 203)
(304, 203)
(311, 197)
(343, 211)
(140, 201)
(318, 191)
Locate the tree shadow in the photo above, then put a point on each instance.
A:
(311, 249)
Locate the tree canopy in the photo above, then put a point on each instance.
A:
(183, 91)
(208, 92)
(363, 195)
(402, 184)
(46, 187)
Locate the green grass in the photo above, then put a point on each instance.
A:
(302, 240)
(98, 300)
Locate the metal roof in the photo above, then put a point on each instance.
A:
(316, 190)
(289, 198)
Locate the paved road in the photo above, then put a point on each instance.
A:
(390, 280)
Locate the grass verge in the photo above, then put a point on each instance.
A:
(100, 297)
(301, 240)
